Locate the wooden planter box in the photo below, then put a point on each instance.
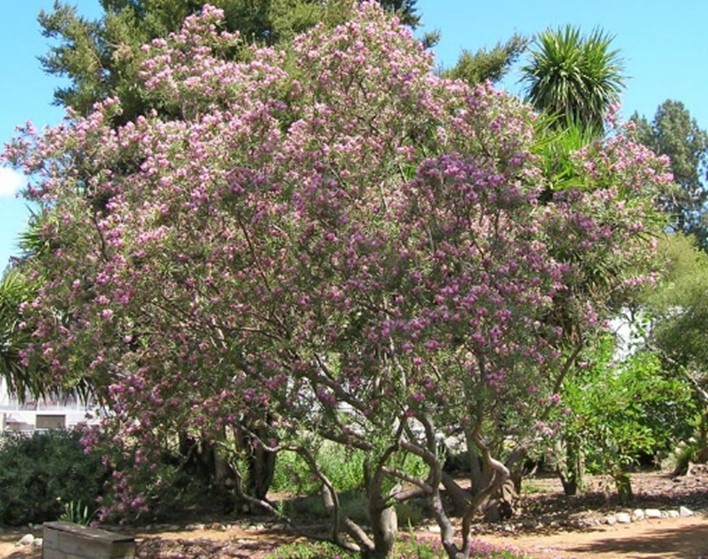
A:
(65, 540)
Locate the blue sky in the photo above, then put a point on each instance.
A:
(664, 45)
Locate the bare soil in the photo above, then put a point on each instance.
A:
(549, 525)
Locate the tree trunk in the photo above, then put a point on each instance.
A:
(571, 471)
(261, 468)
(260, 460)
(384, 521)
(480, 475)
(459, 497)
(501, 502)
(384, 526)
(623, 484)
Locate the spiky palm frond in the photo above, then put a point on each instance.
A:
(574, 76)
(20, 379)
(557, 140)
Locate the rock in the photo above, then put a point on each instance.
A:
(194, 527)
(673, 514)
(27, 539)
(685, 511)
(623, 518)
(434, 529)
(638, 514)
(611, 520)
(652, 513)
(37, 542)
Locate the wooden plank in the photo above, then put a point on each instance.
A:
(65, 540)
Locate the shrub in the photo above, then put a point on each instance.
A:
(42, 472)
(344, 468)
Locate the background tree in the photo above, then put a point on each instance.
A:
(674, 133)
(573, 77)
(487, 64)
(678, 312)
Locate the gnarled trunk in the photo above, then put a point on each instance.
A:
(260, 459)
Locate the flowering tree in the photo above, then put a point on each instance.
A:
(327, 243)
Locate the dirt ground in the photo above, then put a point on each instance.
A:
(549, 525)
(669, 538)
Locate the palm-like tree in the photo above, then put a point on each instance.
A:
(574, 77)
(20, 380)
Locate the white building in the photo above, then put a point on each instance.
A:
(46, 413)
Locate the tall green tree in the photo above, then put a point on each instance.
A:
(102, 58)
(674, 133)
(679, 308)
(573, 76)
(488, 64)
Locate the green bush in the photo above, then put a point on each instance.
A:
(343, 467)
(42, 472)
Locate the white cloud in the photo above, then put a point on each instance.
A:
(10, 182)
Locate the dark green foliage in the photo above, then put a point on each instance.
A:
(674, 133)
(487, 64)
(40, 473)
(573, 76)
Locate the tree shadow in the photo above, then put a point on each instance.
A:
(686, 542)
